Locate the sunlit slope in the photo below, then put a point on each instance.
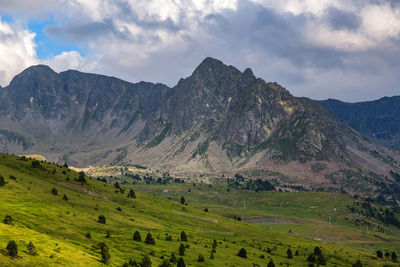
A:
(58, 227)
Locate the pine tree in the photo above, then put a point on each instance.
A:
(32, 249)
(242, 253)
(146, 261)
(149, 239)
(65, 197)
(131, 194)
(181, 263)
(289, 253)
(81, 178)
(2, 182)
(54, 191)
(215, 244)
(165, 263)
(183, 200)
(136, 236)
(394, 256)
(102, 219)
(357, 264)
(200, 258)
(212, 256)
(271, 263)
(172, 258)
(12, 249)
(8, 220)
(105, 254)
(317, 251)
(321, 259)
(183, 236)
(379, 254)
(181, 250)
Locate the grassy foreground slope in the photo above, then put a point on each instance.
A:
(58, 227)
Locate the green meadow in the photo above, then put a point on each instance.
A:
(58, 223)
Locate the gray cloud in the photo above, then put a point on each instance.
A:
(343, 20)
(278, 45)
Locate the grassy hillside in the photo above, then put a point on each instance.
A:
(59, 227)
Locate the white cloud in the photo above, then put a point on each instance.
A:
(17, 50)
(162, 40)
(66, 61)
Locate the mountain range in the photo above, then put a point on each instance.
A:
(379, 119)
(217, 122)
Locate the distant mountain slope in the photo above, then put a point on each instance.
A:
(218, 121)
(379, 119)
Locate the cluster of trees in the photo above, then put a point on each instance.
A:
(12, 249)
(388, 254)
(386, 215)
(317, 257)
(240, 182)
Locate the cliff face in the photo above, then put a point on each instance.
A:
(219, 120)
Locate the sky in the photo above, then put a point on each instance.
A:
(343, 49)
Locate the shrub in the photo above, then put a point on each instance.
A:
(12, 249)
(54, 191)
(12, 177)
(181, 250)
(242, 253)
(105, 254)
(88, 235)
(297, 253)
(102, 219)
(183, 236)
(146, 261)
(2, 182)
(181, 263)
(200, 258)
(394, 257)
(131, 194)
(289, 253)
(271, 263)
(8, 220)
(32, 249)
(357, 264)
(212, 256)
(65, 197)
(108, 234)
(149, 239)
(317, 251)
(206, 210)
(136, 236)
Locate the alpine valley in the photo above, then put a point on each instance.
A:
(215, 123)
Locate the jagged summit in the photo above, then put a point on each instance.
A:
(218, 120)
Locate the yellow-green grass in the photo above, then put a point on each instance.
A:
(307, 212)
(58, 227)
